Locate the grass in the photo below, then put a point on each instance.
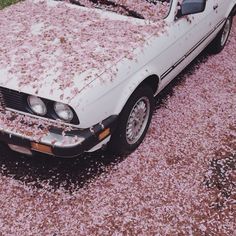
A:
(5, 3)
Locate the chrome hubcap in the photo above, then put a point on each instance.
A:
(137, 120)
(225, 32)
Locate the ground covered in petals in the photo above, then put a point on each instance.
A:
(180, 181)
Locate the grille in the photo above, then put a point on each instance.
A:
(2, 103)
(18, 101)
(13, 99)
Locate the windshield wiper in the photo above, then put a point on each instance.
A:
(156, 1)
(113, 4)
(77, 2)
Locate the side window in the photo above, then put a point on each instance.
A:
(189, 7)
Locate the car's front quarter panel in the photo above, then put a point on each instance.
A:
(109, 92)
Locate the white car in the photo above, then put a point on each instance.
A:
(81, 74)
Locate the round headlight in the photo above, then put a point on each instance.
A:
(63, 111)
(37, 105)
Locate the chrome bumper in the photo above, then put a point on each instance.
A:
(59, 142)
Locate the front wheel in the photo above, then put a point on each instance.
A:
(221, 38)
(133, 121)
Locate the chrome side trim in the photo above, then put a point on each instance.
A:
(192, 49)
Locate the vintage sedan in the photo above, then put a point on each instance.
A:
(79, 75)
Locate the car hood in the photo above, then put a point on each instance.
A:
(57, 49)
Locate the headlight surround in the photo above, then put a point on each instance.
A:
(63, 111)
(37, 105)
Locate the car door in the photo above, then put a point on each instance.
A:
(190, 34)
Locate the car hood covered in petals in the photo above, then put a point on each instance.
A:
(54, 49)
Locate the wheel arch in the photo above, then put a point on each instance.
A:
(152, 80)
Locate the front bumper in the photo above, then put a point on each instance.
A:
(63, 143)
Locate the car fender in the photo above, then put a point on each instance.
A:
(133, 83)
(103, 98)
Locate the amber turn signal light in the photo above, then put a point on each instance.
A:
(41, 148)
(104, 134)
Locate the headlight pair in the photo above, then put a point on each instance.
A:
(38, 106)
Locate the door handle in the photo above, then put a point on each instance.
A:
(215, 7)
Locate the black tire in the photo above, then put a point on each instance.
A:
(219, 42)
(139, 103)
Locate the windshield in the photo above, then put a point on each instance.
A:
(143, 9)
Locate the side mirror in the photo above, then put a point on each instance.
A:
(189, 7)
